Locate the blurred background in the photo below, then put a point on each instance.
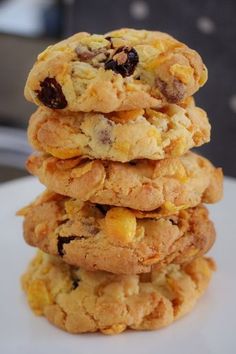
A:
(28, 26)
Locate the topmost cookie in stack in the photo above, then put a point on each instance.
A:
(122, 70)
(124, 194)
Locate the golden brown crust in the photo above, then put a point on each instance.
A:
(86, 235)
(143, 185)
(78, 301)
(76, 75)
(120, 136)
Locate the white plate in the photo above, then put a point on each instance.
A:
(210, 328)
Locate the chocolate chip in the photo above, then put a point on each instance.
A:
(105, 137)
(61, 240)
(51, 94)
(124, 61)
(174, 91)
(75, 283)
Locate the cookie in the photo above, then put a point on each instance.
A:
(120, 136)
(115, 239)
(142, 184)
(78, 301)
(122, 70)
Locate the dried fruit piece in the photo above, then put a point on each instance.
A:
(61, 240)
(124, 61)
(51, 94)
(174, 91)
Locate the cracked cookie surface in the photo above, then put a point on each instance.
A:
(121, 70)
(114, 239)
(120, 136)
(142, 184)
(78, 301)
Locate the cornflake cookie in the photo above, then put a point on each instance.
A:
(121, 70)
(117, 240)
(171, 184)
(120, 136)
(78, 301)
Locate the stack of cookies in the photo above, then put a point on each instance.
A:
(121, 227)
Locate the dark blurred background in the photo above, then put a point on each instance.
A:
(28, 26)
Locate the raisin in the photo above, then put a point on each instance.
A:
(51, 94)
(174, 91)
(124, 61)
(61, 240)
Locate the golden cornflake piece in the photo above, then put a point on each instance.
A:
(120, 224)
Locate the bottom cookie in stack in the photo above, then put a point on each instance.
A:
(79, 301)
